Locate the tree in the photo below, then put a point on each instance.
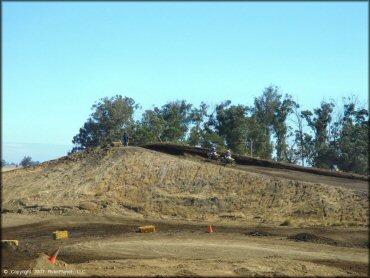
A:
(170, 123)
(265, 107)
(177, 120)
(324, 154)
(283, 109)
(232, 125)
(150, 128)
(303, 146)
(106, 124)
(257, 144)
(3, 162)
(210, 136)
(27, 162)
(226, 128)
(269, 115)
(197, 116)
(352, 143)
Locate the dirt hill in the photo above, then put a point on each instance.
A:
(140, 182)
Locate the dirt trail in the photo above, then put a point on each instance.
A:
(266, 222)
(352, 184)
(135, 180)
(110, 246)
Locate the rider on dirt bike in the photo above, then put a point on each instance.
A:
(228, 157)
(212, 154)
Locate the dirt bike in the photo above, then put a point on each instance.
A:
(221, 159)
(227, 160)
(213, 156)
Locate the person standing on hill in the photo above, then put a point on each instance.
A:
(125, 139)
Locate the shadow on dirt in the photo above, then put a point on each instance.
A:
(258, 233)
(361, 268)
(307, 237)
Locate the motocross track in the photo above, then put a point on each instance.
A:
(265, 221)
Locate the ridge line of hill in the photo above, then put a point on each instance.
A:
(176, 149)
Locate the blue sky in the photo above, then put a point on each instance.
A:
(59, 58)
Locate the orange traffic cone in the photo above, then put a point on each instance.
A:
(53, 257)
(210, 229)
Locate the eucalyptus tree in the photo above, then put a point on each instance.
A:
(319, 121)
(150, 128)
(170, 123)
(197, 118)
(270, 114)
(106, 124)
(353, 139)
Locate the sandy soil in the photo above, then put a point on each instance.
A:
(111, 246)
(101, 197)
(9, 168)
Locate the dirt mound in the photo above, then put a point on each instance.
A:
(307, 237)
(361, 269)
(259, 233)
(59, 268)
(138, 182)
(24, 262)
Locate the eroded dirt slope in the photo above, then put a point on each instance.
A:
(141, 182)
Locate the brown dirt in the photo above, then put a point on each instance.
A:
(353, 184)
(111, 246)
(265, 222)
(9, 168)
(253, 161)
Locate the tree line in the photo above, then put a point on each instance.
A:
(274, 127)
(25, 162)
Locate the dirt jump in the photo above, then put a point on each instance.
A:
(245, 220)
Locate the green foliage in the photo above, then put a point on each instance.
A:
(353, 142)
(302, 147)
(231, 125)
(322, 155)
(169, 123)
(258, 144)
(150, 128)
(343, 143)
(210, 136)
(177, 119)
(270, 113)
(197, 116)
(283, 109)
(264, 110)
(106, 124)
(27, 162)
(259, 130)
(195, 136)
